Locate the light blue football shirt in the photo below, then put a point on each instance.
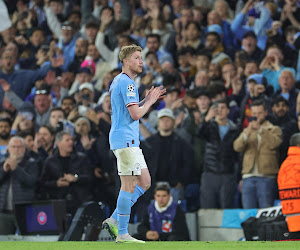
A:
(124, 130)
(3, 149)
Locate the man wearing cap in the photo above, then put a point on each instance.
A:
(41, 107)
(249, 45)
(255, 89)
(214, 18)
(213, 43)
(203, 103)
(86, 96)
(169, 157)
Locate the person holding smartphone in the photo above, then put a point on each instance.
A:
(218, 181)
(259, 144)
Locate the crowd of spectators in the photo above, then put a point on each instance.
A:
(231, 70)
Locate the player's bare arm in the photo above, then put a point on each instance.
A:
(137, 111)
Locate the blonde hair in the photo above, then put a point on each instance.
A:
(272, 8)
(229, 13)
(85, 120)
(127, 51)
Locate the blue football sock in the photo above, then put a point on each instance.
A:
(138, 192)
(124, 209)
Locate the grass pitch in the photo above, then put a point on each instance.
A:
(191, 245)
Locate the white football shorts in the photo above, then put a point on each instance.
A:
(130, 160)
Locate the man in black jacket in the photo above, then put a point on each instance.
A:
(168, 156)
(249, 45)
(18, 176)
(218, 181)
(67, 174)
(165, 220)
(169, 159)
(5, 129)
(280, 117)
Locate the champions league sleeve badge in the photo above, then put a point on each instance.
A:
(131, 88)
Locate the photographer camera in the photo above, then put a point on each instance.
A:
(66, 126)
(85, 98)
(84, 101)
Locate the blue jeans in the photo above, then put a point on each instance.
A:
(258, 192)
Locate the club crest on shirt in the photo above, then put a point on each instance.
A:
(131, 88)
(137, 166)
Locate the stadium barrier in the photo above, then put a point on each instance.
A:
(204, 225)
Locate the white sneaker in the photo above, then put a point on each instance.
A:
(126, 238)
